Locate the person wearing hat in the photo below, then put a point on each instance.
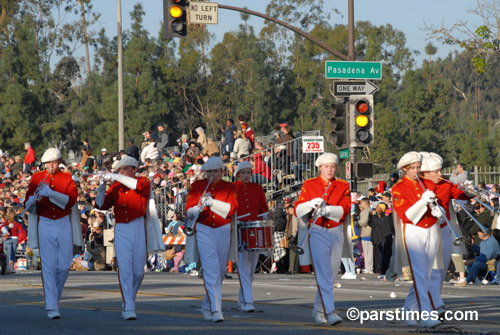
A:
(445, 192)
(102, 158)
(417, 225)
(132, 149)
(202, 138)
(212, 232)
(330, 199)
(252, 201)
(17, 166)
(55, 227)
(135, 217)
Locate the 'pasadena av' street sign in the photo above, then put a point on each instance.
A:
(353, 70)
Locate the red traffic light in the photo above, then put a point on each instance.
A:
(362, 106)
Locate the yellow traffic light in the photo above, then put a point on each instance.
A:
(176, 11)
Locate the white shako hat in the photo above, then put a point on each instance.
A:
(431, 161)
(125, 161)
(213, 163)
(327, 158)
(51, 154)
(409, 158)
(243, 165)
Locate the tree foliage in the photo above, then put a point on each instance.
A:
(49, 97)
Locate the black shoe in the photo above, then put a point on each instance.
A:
(226, 276)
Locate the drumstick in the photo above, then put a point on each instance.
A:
(263, 214)
(242, 216)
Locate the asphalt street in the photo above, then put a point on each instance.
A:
(169, 303)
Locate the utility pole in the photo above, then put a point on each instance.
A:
(121, 144)
(350, 49)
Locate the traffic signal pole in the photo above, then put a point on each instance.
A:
(353, 158)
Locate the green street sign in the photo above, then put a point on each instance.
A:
(353, 70)
(344, 153)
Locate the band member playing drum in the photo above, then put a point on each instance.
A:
(213, 231)
(53, 229)
(445, 191)
(329, 199)
(420, 235)
(252, 203)
(131, 198)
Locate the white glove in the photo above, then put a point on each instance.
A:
(320, 212)
(45, 190)
(109, 176)
(315, 202)
(467, 184)
(436, 212)
(428, 196)
(208, 200)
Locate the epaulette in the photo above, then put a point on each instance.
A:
(341, 180)
(399, 181)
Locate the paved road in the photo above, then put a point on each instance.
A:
(169, 303)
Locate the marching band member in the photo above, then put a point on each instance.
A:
(445, 191)
(251, 200)
(326, 237)
(133, 204)
(420, 234)
(212, 231)
(54, 226)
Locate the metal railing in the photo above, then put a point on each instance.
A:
(281, 169)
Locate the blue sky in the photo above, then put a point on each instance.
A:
(407, 16)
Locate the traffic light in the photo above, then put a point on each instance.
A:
(361, 111)
(339, 123)
(174, 18)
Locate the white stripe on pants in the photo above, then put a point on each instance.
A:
(437, 275)
(130, 251)
(213, 246)
(247, 261)
(326, 250)
(422, 246)
(56, 252)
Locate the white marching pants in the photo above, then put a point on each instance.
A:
(247, 261)
(437, 275)
(421, 246)
(55, 243)
(326, 250)
(130, 251)
(213, 246)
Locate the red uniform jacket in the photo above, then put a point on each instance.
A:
(129, 204)
(405, 193)
(30, 156)
(61, 182)
(251, 199)
(338, 194)
(445, 191)
(223, 191)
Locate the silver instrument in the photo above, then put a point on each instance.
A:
(457, 238)
(30, 203)
(476, 221)
(189, 228)
(315, 216)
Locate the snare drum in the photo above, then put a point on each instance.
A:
(255, 235)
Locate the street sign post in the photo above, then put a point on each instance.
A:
(203, 13)
(353, 70)
(346, 88)
(344, 153)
